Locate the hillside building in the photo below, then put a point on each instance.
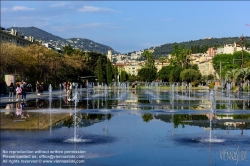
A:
(52, 47)
(132, 67)
(136, 55)
(229, 49)
(159, 65)
(204, 62)
(211, 51)
(13, 37)
(109, 55)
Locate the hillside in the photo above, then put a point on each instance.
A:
(37, 33)
(213, 42)
(87, 45)
(77, 43)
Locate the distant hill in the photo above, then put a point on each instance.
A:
(46, 37)
(87, 45)
(205, 43)
(37, 33)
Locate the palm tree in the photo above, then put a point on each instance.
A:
(232, 75)
(244, 73)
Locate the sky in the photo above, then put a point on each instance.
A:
(128, 26)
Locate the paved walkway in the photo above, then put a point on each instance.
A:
(29, 96)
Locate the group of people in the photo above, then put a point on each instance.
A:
(67, 87)
(20, 90)
(39, 87)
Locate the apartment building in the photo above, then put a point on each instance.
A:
(13, 37)
(229, 49)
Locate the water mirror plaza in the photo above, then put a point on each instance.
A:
(147, 126)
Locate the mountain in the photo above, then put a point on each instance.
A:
(77, 43)
(201, 44)
(87, 45)
(37, 33)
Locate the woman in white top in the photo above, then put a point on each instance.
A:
(18, 92)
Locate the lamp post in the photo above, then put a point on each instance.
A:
(220, 68)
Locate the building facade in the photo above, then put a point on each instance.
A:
(13, 37)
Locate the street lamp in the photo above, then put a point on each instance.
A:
(220, 68)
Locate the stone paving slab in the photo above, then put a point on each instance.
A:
(29, 96)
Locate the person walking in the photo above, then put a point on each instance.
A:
(41, 87)
(69, 92)
(37, 88)
(70, 89)
(11, 91)
(24, 89)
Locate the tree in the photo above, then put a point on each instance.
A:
(99, 73)
(175, 74)
(92, 58)
(149, 62)
(195, 67)
(147, 74)
(48, 65)
(115, 72)
(109, 72)
(247, 44)
(164, 73)
(132, 78)
(68, 50)
(238, 55)
(244, 73)
(124, 76)
(180, 56)
(223, 62)
(210, 77)
(162, 60)
(190, 75)
(232, 75)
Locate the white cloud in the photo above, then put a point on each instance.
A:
(92, 9)
(60, 4)
(20, 8)
(4, 9)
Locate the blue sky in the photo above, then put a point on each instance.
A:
(131, 25)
